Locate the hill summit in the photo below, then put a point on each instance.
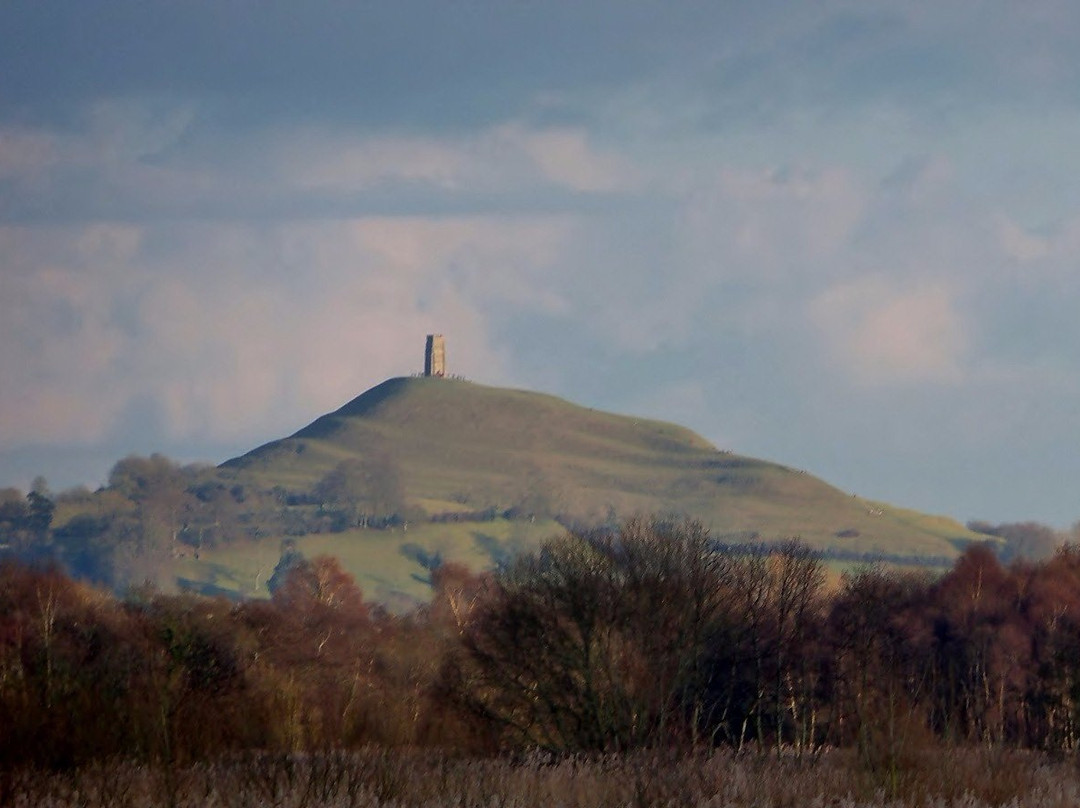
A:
(447, 448)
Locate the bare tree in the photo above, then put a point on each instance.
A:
(597, 642)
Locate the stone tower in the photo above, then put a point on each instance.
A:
(435, 356)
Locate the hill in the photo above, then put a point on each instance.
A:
(453, 446)
(417, 471)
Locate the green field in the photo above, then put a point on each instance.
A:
(384, 562)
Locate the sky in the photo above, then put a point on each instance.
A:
(843, 236)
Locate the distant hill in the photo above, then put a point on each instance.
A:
(418, 471)
(457, 447)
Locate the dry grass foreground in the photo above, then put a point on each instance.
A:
(379, 777)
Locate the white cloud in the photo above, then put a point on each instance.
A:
(506, 157)
(344, 162)
(1020, 244)
(881, 332)
(241, 331)
(771, 225)
(57, 327)
(1048, 255)
(481, 258)
(25, 152)
(565, 157)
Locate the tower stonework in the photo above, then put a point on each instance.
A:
(435, 356)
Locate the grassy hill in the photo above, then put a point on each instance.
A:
(457, 446)
(417, 471)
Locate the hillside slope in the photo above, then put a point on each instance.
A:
(455, 446)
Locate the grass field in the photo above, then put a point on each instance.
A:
(387, 564)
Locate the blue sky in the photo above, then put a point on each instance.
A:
(839, 235)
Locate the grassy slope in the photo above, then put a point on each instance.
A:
(380, 560)
(462, 445)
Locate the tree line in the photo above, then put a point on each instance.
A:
(153, 510)
(612, 641)
(642, 636)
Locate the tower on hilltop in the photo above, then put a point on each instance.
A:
(435, 356)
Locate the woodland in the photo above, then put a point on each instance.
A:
(640, 647)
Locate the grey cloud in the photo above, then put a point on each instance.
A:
(426, 63)
(102, 172)
(417, 62)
